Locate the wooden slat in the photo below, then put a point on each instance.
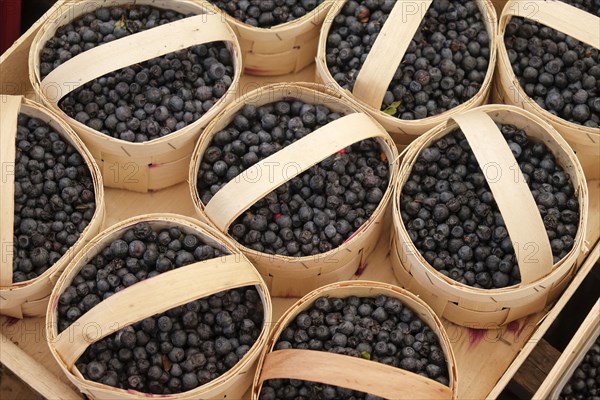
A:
(32, 372)
(573, 355)
(533, 371)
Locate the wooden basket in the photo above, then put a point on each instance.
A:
(158, 163)
(296, 276)
(30, 298)
(350, 372)
(572, 356)
(541, 281)
(383, 60)
(279, 50)
(576, 23)
(147, 298)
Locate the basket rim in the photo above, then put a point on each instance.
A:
(286, 26)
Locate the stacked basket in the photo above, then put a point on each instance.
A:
(281, 49)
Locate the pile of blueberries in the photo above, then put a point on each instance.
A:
(313, 212)
(54, 198)
(267, 13)
(453, 220)
(444, 66)
(172, 352)
(585, 381)
(381, 329)
(558, 72)
(144, 101)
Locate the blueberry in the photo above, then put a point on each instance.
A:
(175, 104)
(137, 248)
(216, 71)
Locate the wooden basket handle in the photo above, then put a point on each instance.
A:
(563, 17)
(351, 373)
(10, 106)
(133, 49)
(515, 201)
(267, 175)
(152, 296)
(388, 50)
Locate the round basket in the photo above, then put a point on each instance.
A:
(383, 60)
(541, 281)
(158, 163)
(296, 276)
(186, 284)
(576, 23)
(351, 372)
(279, 50)
(30, 298)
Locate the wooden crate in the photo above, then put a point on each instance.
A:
(572, 356)
(486, 359)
